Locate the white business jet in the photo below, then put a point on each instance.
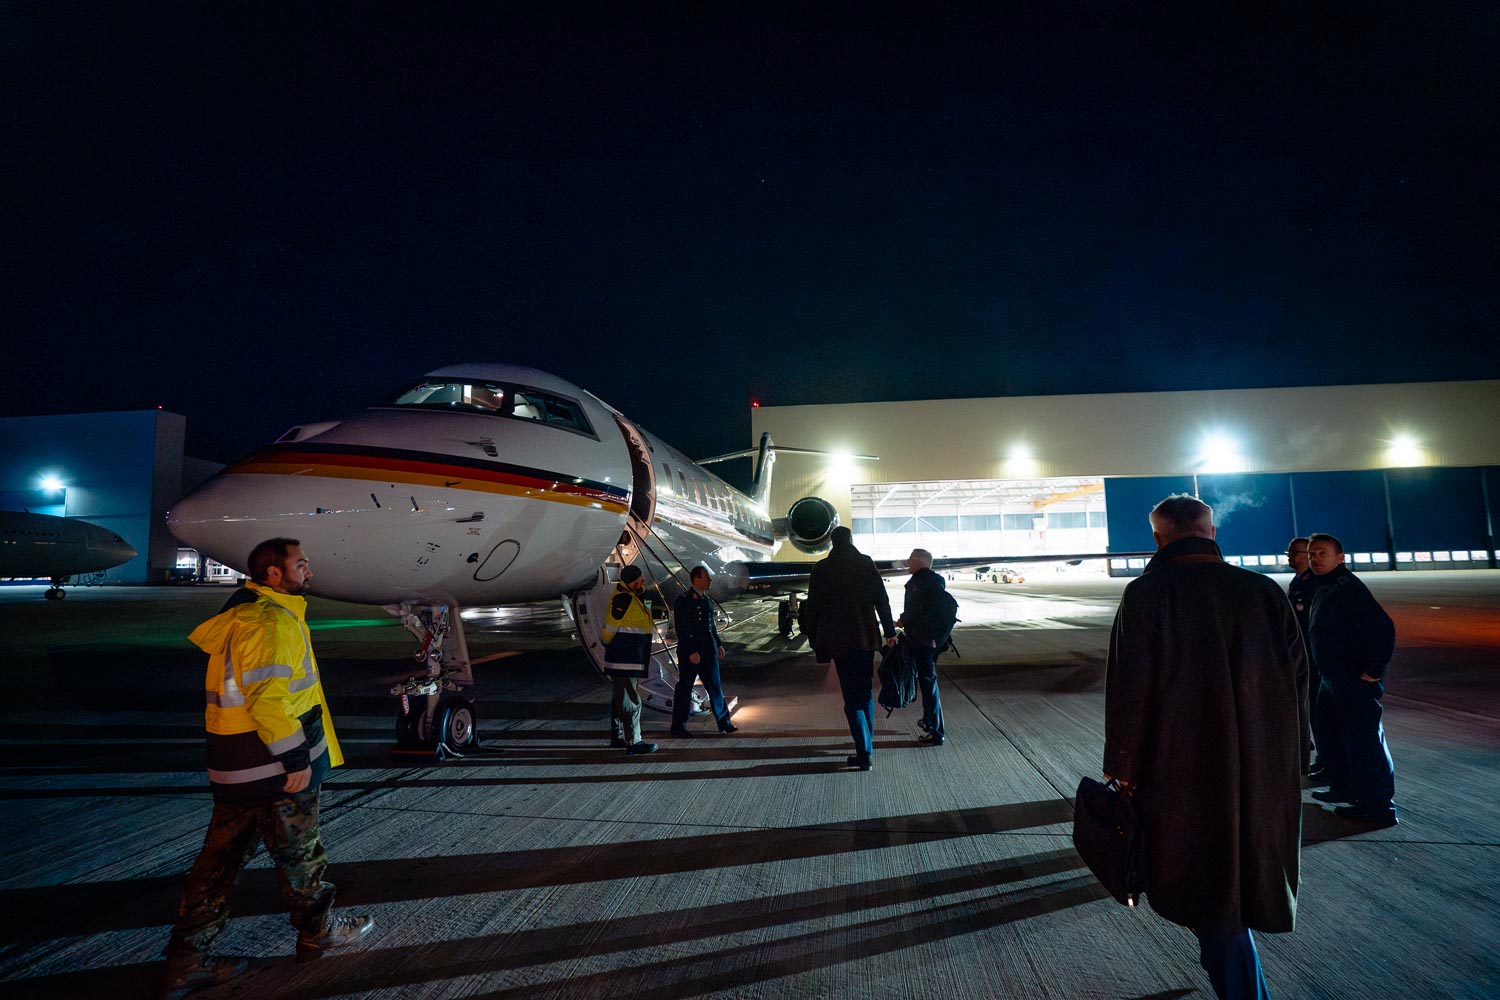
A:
(490, 484)
(42, 546)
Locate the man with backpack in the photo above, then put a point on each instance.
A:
(927, 616)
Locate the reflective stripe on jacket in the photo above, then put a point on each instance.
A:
(266, 713)
(627, 633)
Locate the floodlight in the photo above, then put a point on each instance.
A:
(51, 483)
(1404, 449)
(1220, 452)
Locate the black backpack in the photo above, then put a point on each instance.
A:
(944, 615)
(898, 679)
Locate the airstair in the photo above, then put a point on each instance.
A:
(587, 608)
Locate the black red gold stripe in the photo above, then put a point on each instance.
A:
(418, 468)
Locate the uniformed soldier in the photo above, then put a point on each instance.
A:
(698, 654)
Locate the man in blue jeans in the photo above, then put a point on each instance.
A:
(844, 597)
(698, 654)
(1209, 736)
(919, 617)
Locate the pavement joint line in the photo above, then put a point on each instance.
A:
(1065, 796)
(731, 827)
(1440, 707)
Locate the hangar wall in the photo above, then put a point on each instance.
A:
(1408, 518)
(121, 470)
(1310, 458)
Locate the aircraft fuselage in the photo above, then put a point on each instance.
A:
(454, 497)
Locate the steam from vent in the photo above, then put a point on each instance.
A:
(1226, 504)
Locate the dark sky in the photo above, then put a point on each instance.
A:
(262, 214)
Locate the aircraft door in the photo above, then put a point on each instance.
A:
(642, 493)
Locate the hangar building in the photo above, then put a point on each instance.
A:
(118, 470)
(1407, 475)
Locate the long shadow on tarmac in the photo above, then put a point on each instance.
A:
(53, 759)
(41, 912)
(515, 950)
(544, 946)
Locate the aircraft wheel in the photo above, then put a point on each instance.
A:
(56, 594)
(408, 723)
(784, 619)
(458, 725)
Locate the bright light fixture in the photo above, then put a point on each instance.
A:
(1020, 452)
(839, 473)
(51, 483)
(1404, 449)
(1220, 452)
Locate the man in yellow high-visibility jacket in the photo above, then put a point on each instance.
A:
(270, 744)
(627, 635)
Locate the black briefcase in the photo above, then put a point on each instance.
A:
(1110, 837)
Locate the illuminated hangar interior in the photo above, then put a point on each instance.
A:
(1407, 475)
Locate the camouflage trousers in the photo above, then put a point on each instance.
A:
(289, 829)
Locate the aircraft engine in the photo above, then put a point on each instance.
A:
(808, 523)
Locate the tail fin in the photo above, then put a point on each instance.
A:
(760, 490)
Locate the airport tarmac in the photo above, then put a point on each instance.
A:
(751, 865)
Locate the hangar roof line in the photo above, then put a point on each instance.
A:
(1091, 436)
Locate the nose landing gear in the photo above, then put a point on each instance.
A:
(434, 719)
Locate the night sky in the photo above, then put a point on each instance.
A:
(262, 214)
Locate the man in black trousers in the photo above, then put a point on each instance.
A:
(1352, 640)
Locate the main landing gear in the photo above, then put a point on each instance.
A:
(56, 592)
(434, 719)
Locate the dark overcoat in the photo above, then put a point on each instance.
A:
(844, 597)
(1205, 715)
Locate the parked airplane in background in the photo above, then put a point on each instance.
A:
(490, 484)
(34, 546)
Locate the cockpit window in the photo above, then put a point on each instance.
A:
(548, 409)
(484, 397)
(518, 402)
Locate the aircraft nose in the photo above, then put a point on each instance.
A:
(198, 519)
(225, 517)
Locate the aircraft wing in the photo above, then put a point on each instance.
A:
(787, 576)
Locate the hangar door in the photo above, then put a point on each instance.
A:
(981, 517)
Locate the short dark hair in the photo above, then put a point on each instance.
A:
(1185, 513)
(1294, 541)
(630, 574)
(271, 552)
(1323, 536)
(841, 536)
(699, 570)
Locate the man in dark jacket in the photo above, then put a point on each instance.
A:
(1300, 593)
(919, 616)
(698, 654)
(843, 598)
(1352, 640)
(1203, 723)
